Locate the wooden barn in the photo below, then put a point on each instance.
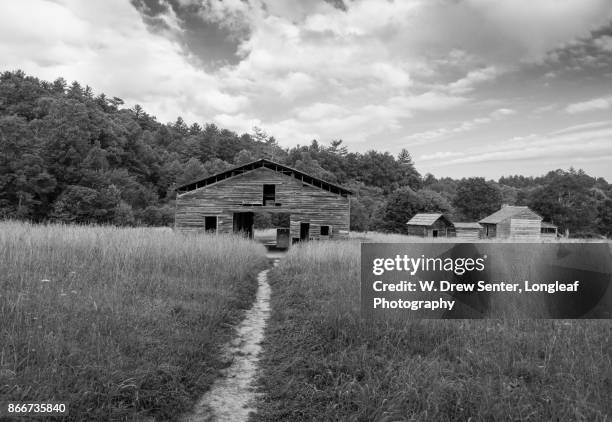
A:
(227, 202)
(512, 221)
(430, 225)
(468, 231)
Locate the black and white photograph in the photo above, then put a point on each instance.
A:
(306, 210)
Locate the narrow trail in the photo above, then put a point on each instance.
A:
(232, 396)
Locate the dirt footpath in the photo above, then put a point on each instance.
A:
(232, 396)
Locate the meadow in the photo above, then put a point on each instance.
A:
(118, 323)
(322, 361)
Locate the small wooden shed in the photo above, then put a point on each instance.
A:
(512, 221)
(227, 202)
(548, 230)
(468, 231)
(430, 225)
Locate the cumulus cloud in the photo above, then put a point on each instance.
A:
(372, 71)
(108, 46)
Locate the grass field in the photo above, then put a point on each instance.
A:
(119, 324)
(402, 238)
(323, 362)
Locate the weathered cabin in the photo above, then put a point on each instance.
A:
(548, 230)
(430, 225)
(227, 202)
(512, 221)
(468, 231)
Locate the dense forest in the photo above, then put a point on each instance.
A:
(72, 156)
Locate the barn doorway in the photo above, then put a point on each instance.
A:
(304, 231)
(434, 233)
(210, 224)
(272, 228)
(269, 228)
(243, 223)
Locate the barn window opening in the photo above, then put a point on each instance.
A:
(324, 230)
(269, 194)
(210, 224)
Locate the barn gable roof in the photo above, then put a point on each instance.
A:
(509, 211)
(426, 219)
(263, 163)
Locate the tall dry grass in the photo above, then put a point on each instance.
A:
(322, 361)
(378, 237)
(117, 323)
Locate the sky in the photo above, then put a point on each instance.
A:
(469, 87)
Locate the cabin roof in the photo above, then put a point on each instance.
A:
(546, 225)
(467, 226)
(263, 163)
(508, 211)
(426, 219)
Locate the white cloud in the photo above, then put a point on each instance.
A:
(318, 111)
(107, 45)
(583, 126)
(428, 101)
(443, 133)
(294, 84)
(440, 155)
(502, 112)
(591, 105)
(306, 69)
(584, 145)
(474, 77)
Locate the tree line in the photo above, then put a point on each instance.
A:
(72, 156)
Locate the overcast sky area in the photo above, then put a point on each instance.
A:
(469, 87)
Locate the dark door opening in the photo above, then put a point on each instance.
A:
(304, 231)
(210, 224)
(243, 223)
(269, 195)
(434, 233)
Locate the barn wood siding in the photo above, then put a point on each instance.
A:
(417, 230)
(503, 228)
(468, 233)
(525, 229)
(304, 202)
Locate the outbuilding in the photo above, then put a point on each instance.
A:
(430, 225)
(548, 230)
(512, 221)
